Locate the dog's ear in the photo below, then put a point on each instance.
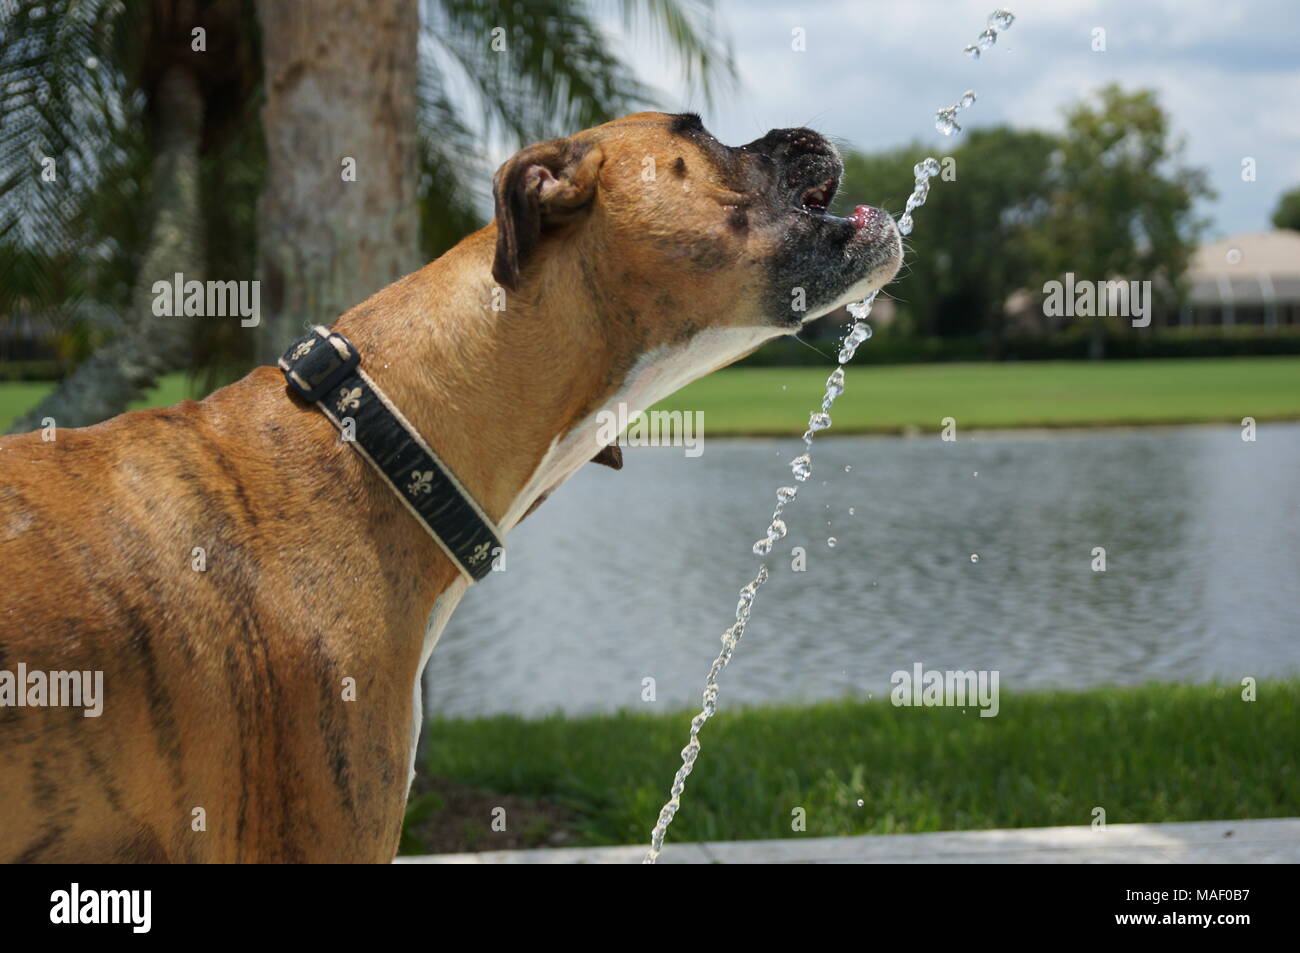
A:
(544, 186)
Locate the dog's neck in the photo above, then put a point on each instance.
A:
(506, 390)
(487, 378)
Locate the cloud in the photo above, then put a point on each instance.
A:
(874, 73)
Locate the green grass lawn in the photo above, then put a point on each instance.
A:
(885, 399)
(888, 399)
(1149, 754)
(17, 397)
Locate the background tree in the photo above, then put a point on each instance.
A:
(123, 99)
(1121, 202)
(971, 251)
(1287, 213)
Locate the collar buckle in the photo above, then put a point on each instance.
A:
(315, 363)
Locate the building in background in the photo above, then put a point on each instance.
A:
(1244, 279)
(1251, 279)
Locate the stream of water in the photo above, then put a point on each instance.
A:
(801, 466)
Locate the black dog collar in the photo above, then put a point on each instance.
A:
(324, 368)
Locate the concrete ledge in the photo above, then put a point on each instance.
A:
(1199, 842)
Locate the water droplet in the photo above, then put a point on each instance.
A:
(835, 383)
(986, 39)
(852, 511)
(972, 51)
(818, 422)
(801, 467)
(967, 99)
(785, 494)
(974, 557)
(930, 166)
(742, 607)
(763, 546)
(1234, 256)
(777, 529)
(945, 120)
(859, 310)
(861, 802)
(860, 332)
(905, 225)
(977, 473)
(831, 542)
(1001, 19)
(848, 468)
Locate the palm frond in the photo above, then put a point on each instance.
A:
(690, 29)
(452, 170)
(536, 67)
(63, 110)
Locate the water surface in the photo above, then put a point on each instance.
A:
(622, 576)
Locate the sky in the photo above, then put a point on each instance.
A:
(874, 72)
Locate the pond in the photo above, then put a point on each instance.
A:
(624, 576)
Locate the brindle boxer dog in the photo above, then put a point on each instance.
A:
(635, 257)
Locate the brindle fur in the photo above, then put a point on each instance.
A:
(224, 688)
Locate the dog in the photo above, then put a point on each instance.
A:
(261, 603)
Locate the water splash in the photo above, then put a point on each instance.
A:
(801, 467)
(730, 639)
(924, 171)
(945, 120)
(999, 20)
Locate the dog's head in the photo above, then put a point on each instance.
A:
(668, 227)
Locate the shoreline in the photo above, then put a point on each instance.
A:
(904, 399)
(1042, 428)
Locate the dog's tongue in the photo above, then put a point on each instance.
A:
(862, 216)
(611, 456)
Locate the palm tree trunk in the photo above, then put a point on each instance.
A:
(147, 346)
(340, 80)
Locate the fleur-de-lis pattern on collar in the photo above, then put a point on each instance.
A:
(349, 399)
(421, 482)
(324, 368)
